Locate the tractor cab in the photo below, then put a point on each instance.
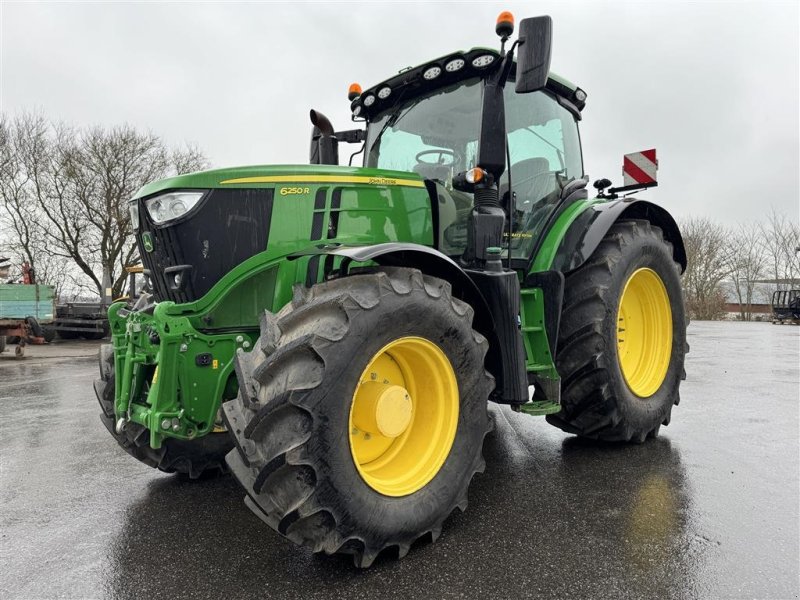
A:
(434, 131)
(462, 111)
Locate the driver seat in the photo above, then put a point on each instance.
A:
(532, 180)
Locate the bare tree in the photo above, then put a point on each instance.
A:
(68, 190)
(748, 262)
(26, 240)
(781, 237)
(707, 253)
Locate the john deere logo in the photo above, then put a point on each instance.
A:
(382, 181)
(287, 191)
(147, 241)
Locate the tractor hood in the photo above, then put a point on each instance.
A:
(194, 229)
(281, 175)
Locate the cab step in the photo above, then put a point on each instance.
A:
(540, 407)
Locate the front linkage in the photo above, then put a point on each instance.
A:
(173, 377)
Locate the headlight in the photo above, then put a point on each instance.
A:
(432, 72)
(454, 65)
(484, 60)
(133, 209)
(172, 205)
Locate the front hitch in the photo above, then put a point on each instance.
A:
(173, 377)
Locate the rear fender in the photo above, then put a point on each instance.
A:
(590, 227)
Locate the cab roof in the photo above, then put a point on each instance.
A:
(447, 70)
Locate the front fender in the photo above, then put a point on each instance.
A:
(590, 227)
(431, 262)
(415, 256)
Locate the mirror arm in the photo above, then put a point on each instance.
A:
(351, 136)
(508, 62)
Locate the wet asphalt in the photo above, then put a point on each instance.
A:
(708, 510)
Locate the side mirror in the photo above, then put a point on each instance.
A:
(533, 53)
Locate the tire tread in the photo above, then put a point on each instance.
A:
(589, 406)
(281, 483)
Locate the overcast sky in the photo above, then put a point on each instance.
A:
(712, 85)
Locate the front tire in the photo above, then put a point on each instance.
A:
(320, 461)
(622, 339)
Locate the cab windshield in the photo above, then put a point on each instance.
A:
(436, 135)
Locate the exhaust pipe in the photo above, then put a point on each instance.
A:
(324, 145)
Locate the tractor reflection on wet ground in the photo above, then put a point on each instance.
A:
(710, 509)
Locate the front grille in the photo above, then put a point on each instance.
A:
(227, 227)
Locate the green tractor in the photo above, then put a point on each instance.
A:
(333, 335)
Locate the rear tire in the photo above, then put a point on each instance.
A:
(193, 458)
(2, 343)
(296, 445)
(597, 398)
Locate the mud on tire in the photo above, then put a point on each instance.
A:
(203, 456)
(290, 420)
(596, 401)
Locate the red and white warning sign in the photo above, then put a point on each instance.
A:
(640, 167)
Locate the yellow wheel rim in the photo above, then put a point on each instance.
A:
(403, 417)
(644, 332)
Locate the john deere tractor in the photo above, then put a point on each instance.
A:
(333, 335)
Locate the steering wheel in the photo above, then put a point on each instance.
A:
(441, 152)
